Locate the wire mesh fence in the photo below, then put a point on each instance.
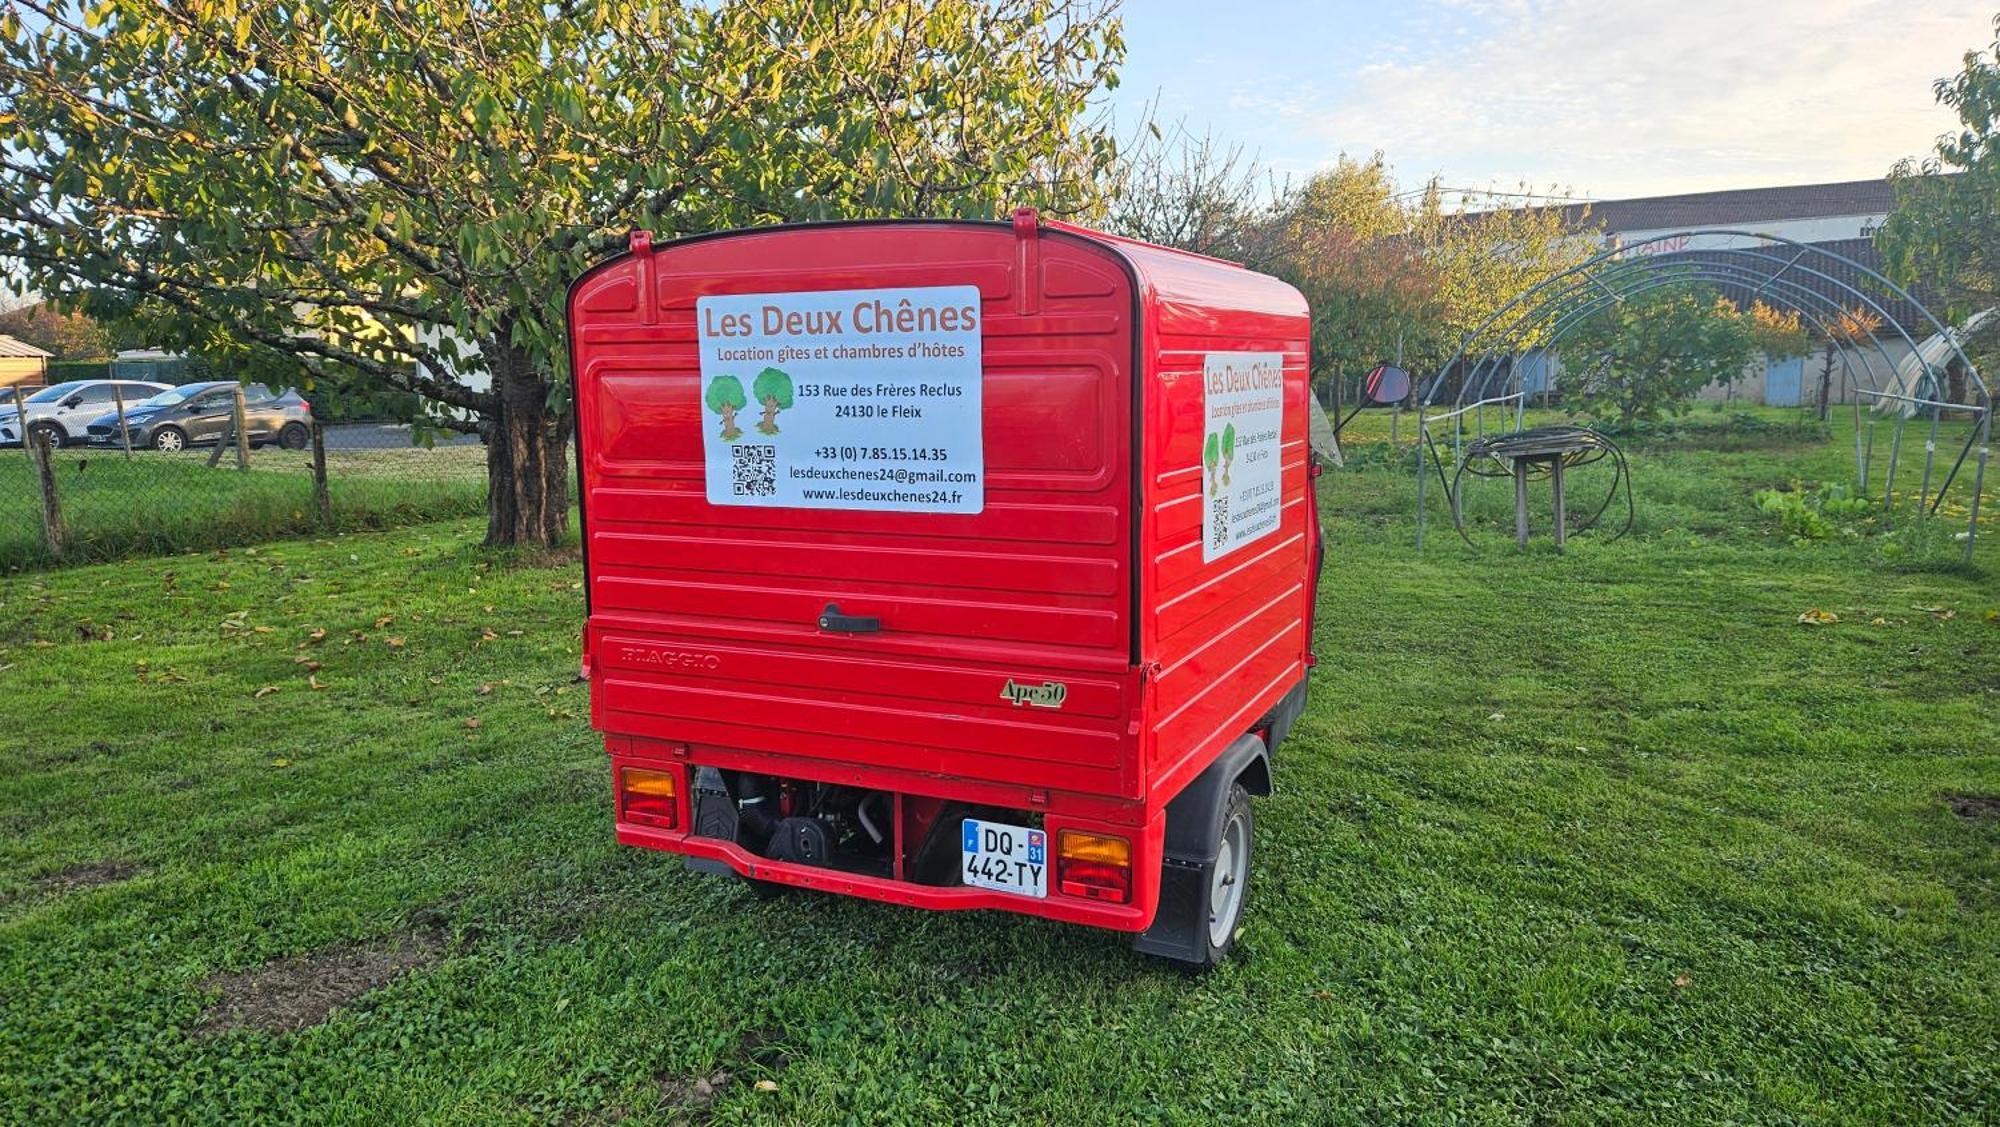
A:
(69, 499)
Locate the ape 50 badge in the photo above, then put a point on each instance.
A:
(844, 399)
(1243, 423)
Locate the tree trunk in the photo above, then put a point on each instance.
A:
(1826, 384)
(527, 456)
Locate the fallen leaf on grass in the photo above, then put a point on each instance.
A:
(1818, 617)
(266, 691)
(395, 643)
(472, 721)
(318, 634)
(1498, 716)
(485, 690)
(384, 621)
(1683, 981)
(767, 1085)
(315, 682)
(281, 763)
(1878, 621)
(311, 665)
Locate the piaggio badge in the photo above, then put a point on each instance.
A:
(1048, 694)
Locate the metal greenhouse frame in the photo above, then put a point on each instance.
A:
(1787, 274)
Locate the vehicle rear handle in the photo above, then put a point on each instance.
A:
(832, 619)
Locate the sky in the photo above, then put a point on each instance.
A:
(1596, 99)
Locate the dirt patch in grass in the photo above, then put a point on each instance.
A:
(1970, 806)
(691, 1094)
(292, 994)
(88, 875)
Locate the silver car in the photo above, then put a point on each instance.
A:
(64, 411)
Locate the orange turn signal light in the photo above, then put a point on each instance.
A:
(1075, 845)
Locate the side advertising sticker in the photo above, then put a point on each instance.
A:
(844, 399)
(1243, 421)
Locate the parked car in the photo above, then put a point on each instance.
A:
(62, 411)
(198, 413)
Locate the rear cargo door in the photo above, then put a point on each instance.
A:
(862, 494)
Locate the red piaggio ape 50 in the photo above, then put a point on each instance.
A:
(952, 564)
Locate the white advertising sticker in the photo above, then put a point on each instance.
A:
(844, 399)
(1243, 421)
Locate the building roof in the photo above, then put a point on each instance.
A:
(1737, 205)
(20, 349)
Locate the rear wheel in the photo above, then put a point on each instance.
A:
(1229, 881)
(170, 440)
(294, 436)
(52, 433)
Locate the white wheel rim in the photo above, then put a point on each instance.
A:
(1225, 886)
(169, 441)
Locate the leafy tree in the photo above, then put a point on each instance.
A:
(1228, 450)
(1651, 352)
(773, 390)
(725, 397)
(1385, 273)
(1342, 239)
(1489, 248)
(1778, 333)
(1211, 457)
(399, 194)
(69, 336)
(1945, 230)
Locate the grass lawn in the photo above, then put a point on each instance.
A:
(1602, 836)
(154, 502)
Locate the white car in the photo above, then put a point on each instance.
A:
(64, 410)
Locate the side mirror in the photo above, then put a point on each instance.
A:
(1387, 383)
(71, 403)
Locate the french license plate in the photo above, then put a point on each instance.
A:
(1005, 858)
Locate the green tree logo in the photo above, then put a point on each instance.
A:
(1209, 458)
(725, 397)
(1228, 451)
(774, 390)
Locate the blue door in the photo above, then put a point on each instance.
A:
(1784, 381)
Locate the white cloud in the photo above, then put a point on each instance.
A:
(1619, 98)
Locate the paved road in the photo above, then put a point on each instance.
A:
(385, 436)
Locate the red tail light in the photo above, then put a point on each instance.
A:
(648, 798)
(1094, 866)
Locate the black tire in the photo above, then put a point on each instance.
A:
(57, 436)
(169, 440)
(1228, 889)
(294, 436)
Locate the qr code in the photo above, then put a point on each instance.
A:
(1218, 522)
(753, 471)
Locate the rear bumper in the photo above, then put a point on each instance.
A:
(1147, 839)
(1136, 916)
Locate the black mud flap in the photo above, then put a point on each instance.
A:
(714, 816)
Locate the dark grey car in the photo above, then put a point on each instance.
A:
(199, 413)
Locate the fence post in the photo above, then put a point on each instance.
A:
(124, 433)
(322, 504)
(242, 429)
(45, 474)
(21, 423)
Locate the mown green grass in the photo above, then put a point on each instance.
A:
(1605, 836)
(156, 503)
